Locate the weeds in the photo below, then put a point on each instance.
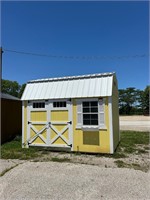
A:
(55, 159)
(131, 142)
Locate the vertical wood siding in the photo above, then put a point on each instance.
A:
(11, 119)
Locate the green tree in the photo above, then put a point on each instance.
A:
(145, 100)
(128, 100)
(10, 87)
(22, 90)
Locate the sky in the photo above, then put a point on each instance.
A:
(84, 37)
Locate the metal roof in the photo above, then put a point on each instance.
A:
(8, 96)
(92, 85)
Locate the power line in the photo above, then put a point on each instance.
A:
(78, 57)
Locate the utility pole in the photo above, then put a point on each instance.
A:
(1, 51)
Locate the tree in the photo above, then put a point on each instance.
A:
(13, 88)
(145, 100)
(127, 100)
(22, 90)
(10, 87)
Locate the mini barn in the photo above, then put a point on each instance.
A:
(78, 112)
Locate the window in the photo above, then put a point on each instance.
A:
(90, 112)
(39, 105)
(59, 104)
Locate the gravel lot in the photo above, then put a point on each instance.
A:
(135, 123)
(98, 179)
(51, 180)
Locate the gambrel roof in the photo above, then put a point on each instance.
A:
(92, 85)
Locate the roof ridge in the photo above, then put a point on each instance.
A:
(73, 77)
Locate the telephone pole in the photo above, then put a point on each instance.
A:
(1, 51)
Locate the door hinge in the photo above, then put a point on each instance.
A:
(70, 145)
(69, 122)
(29, 122)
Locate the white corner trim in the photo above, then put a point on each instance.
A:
(23, 123)
(111, 125)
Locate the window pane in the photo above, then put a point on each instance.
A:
(59, 104)
(93, 103)
(86, 110)
(94, 122)
(86, 116)
(39, 105)
(94, 109)
(94, 116)
(63, 104)
(85, 104)
(86, 122)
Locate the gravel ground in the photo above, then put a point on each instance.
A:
(135, 123)
(51, 180)
(9, 163)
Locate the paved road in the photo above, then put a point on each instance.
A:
(136, 123)
(58, 181)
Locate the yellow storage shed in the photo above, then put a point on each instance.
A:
(77, 112)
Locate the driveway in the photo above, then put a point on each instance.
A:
(58, 181)
(135, 123)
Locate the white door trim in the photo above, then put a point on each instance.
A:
(49, 125)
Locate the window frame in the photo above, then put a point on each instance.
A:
(59, 108)
(91, 127)
(59, 103)
(38, 102)
(89, 113)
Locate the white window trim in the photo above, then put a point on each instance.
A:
(90, 127)
(102, 127)
(60, 108)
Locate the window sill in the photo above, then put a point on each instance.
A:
(91, 128)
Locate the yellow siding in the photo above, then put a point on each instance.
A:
(38, 141)
(65, 134)
(62, 116)
(39, 127)
(59, 141)
(102, 146)
(53, 134)
(38, 116)
(59, 115)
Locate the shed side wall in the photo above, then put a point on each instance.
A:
(10, 119)
(115, 114)
(91, 141)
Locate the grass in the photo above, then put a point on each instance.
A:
(130, 143)
(55, 159)
(122, 164)
(14, 150)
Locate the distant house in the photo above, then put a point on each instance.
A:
(11, 117)
(77, 112)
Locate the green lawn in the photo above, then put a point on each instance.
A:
(131, 142)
